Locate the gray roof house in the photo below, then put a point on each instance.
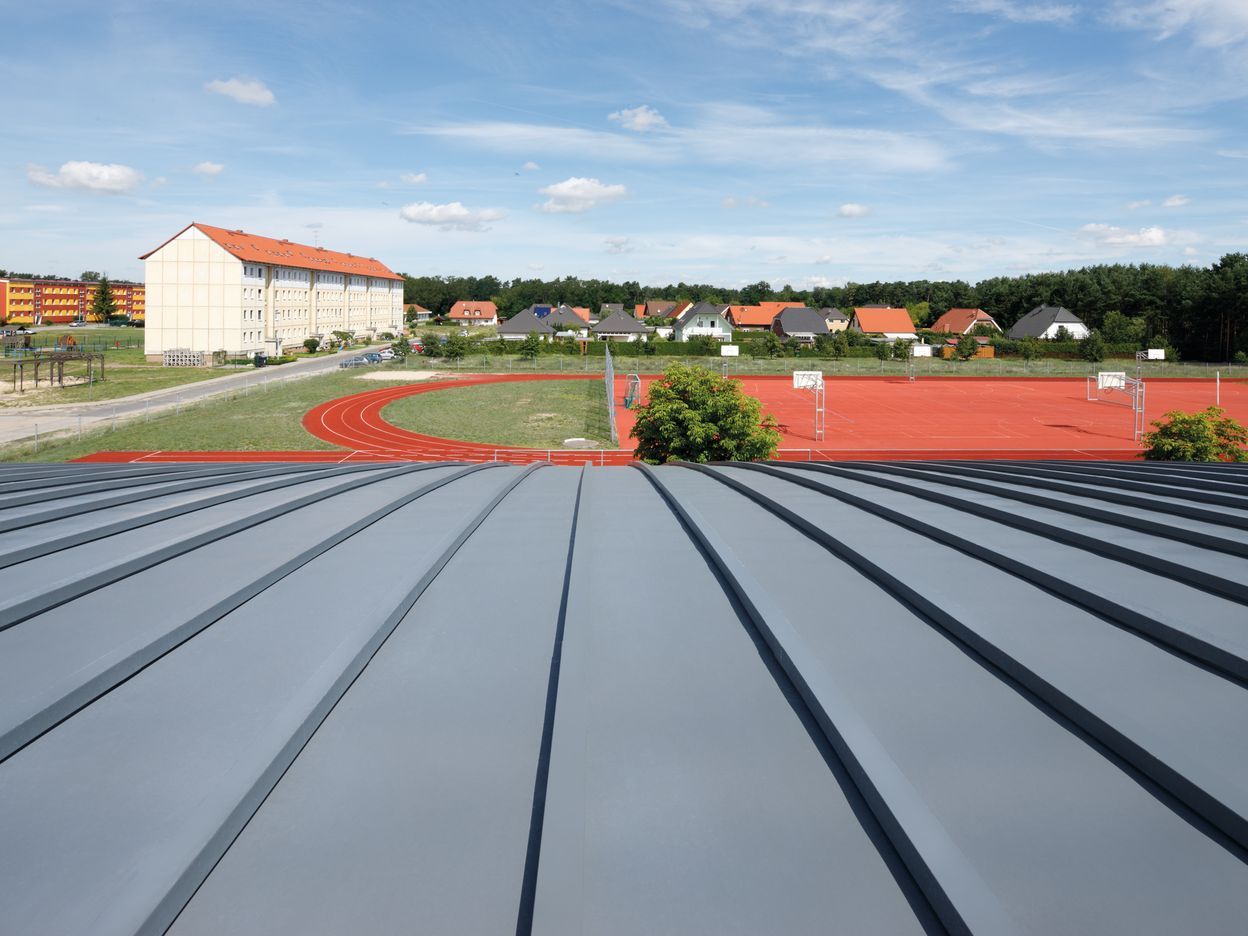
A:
(835, 318)
(522, 324)
(203, 732)
(563, 318)
(703, 320)
(800, 323)
(1044, 322)
(621, 326)
(610, 307)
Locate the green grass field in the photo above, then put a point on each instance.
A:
(538, 414)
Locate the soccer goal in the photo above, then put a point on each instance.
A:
(1116, 388)
(813, 382)
(632, 390)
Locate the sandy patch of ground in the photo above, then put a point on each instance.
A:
(401, 376)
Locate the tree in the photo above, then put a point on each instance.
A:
(311, 345)
(883, 350)
(402, 346)
(967, 347)
(531, 346)
(1092, 348)
(1029, 348)
(1207, 436)
(693, 414)
(103, 306)
(920, 312)
(456, 348)
(903, 350)
(431, 344)
(89, 276)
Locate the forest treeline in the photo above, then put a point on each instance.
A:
(1201, 311)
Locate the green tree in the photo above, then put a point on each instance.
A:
(1119, 329)
(883, 350)
(967, 347)
(89, 276)
(693, 414)
(1030, 348)
(103, 305)
(531, 346)
(1207, 436)
(430, 344)
(311, 345)
(902, 350)
(1092, 348)
(920, 313)
(456, 348)
(402, 346)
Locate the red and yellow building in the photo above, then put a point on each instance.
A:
(58, 302)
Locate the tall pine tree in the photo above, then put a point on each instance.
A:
(103, 306)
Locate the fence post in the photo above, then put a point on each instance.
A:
(36, 437)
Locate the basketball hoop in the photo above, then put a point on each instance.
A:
(812, 381)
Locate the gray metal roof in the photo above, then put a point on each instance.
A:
(619, 323)
(1036, 322)
(798, 320)
(525, 323)
(861, 698)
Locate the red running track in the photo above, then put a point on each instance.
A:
(866, 418)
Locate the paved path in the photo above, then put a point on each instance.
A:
(22, 423)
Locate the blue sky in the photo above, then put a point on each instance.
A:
(722, 141)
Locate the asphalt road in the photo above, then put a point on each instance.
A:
(25, 423)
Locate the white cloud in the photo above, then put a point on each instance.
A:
(853, 210)
(1134, 205)
(414, 178)
(576, 194)
(1117, 237)
(729, 202)
(1212, 23)
(452, 216)
(1175, 201)
(1190, 252)
(530, 166)
(641, 119)
(618, 245)
(1233, 153)
(208, 168)
(243, 90)
(110, 178)
(1017, 12)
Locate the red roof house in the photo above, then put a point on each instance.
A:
(962, 321)
(881, 320)
(465, 312)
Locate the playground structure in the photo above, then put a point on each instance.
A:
(1115, 387)
(18, 357)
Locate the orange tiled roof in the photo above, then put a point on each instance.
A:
(960, 321)
(581, 312)
(464, 309)
(253, 248)
(880, 321)
(762, 314)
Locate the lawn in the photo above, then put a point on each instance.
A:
(254, 421)
(539, 414)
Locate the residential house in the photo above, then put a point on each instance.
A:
(418, 314)
(703, 320)
(1045, 321)
(836, 320)
(757, 317)
(799, 323)
(964, 321)
(581, 312)
(659, 308)
(883, 323)
(607, 308)
(620, 327)
(565, 319)
(466, 312)
(523, 324)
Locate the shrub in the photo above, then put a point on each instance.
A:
(692, 414)
(311, 345)
(1207, 436)
(1092, 348)
(531, 346)
(967, 347)
(883, 350)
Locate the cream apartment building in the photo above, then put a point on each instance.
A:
(213, 289)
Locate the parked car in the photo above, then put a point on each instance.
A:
(372, 357)
(77, 324)
(417, 348)
(387, 354)
(25, 331)
(357, 361)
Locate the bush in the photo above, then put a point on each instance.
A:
(531, 346)
(1092, 348)
(1207, 436)
(692, 414)
(967, 347)
(311, 345)
(883, 351)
